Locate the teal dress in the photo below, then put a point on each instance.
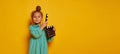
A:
(38, 41)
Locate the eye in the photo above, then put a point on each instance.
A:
(34, 17)
(38, 16)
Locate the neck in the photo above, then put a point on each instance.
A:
(36, 23)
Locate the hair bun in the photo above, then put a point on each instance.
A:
(38, 8)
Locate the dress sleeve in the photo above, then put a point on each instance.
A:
(36, 33)
(50, 39)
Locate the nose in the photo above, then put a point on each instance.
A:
(37, 18)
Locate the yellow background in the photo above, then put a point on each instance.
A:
(82, 26)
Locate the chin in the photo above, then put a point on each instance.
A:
(36, 22)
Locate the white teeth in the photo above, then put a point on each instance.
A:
(49, 27)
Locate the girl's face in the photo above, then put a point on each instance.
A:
(37, 17)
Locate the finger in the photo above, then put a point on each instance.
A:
(46, 21)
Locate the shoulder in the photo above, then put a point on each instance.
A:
(31, 27)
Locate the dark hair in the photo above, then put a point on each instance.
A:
(38, 9)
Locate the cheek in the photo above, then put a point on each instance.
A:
(40, 19)
(34, 19)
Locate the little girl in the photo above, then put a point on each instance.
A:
(38, 40)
